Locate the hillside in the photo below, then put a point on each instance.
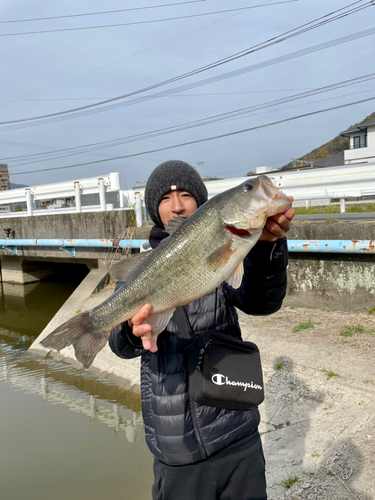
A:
(333, 147)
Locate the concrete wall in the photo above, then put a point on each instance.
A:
(335, 281)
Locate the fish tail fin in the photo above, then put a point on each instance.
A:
(80, 332)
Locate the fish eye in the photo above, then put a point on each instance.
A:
(247, 186)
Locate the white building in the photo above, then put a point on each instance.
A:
(362, 143)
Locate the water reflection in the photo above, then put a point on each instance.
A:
(49, 411)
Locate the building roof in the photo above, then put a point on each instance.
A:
(357, 128)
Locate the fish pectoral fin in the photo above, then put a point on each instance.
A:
(235, 278)
(121, 270)
(174, 224)
(159, 322)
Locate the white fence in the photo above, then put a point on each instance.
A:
(308, 184)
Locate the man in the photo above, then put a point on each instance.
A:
(201, 452)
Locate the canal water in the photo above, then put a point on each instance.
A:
(64, 433)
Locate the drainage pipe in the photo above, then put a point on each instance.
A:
(332, 246)
(102, 243)
(303, 246)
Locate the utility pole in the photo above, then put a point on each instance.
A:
(200, 163)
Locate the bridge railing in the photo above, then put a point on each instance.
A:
(61, 190)
(339, 182)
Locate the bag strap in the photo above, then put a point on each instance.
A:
(185, 331)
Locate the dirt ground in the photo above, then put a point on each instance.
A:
(318, 419)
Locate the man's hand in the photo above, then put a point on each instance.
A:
(278, 225)
(143, 330)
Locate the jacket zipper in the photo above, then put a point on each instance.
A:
(196, 429)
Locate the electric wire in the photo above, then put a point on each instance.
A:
(150, 21)
(221, 136)
(99, 13)
(309, 50)
(51, 155)
(285, 36)
(129, 57)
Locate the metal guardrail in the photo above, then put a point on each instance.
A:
(303, 184)
(305, 246)
(340, 182)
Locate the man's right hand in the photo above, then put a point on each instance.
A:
(143, 330)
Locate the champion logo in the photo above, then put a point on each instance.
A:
(220, 379)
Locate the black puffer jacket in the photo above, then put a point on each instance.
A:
(179, 431)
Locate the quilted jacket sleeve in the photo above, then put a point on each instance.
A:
(264, 283)
(122, 341)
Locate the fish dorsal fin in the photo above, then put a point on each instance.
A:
(159, 322)
(121, 270)
(174, 224)
(235, 278)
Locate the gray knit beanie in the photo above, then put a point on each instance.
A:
(169, 176)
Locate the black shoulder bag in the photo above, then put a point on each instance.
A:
(223, 371)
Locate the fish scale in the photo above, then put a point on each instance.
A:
(202, 253)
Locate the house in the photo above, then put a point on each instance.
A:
(362, 143)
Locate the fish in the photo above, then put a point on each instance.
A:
(200, 253)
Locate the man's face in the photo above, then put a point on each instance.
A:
(175, 203)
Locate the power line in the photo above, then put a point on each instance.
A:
(180, 95)
(63, 114)
(98, 13)
(132, 55)
(201, 140)
(176, 128)
(143, 22)
(285, 36)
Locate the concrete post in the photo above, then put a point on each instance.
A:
(121, 198)
(342, 205)
(103, 207)
(29, 201)
(138, 209)
(77, 191)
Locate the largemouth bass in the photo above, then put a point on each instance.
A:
(201, 252)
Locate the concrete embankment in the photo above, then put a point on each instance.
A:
(318, 424)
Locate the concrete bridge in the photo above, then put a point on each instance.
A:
(340, 281)
(32, 264)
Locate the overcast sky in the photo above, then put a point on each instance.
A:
(50, 72)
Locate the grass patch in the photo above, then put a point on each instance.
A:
(303, 326)
(78, 311)
(330, 373)
(372, 311)
(279, 366)
(289, 481)
(351, 330)
(335, 209)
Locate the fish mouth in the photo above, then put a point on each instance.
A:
(242, 233)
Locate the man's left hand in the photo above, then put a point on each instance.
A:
(278, 225)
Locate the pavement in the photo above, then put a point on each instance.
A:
(318, 418)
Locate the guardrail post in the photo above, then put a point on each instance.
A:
(138, 209)
(103, 207)
(77, 192)
(29, 201)
(342, 205)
